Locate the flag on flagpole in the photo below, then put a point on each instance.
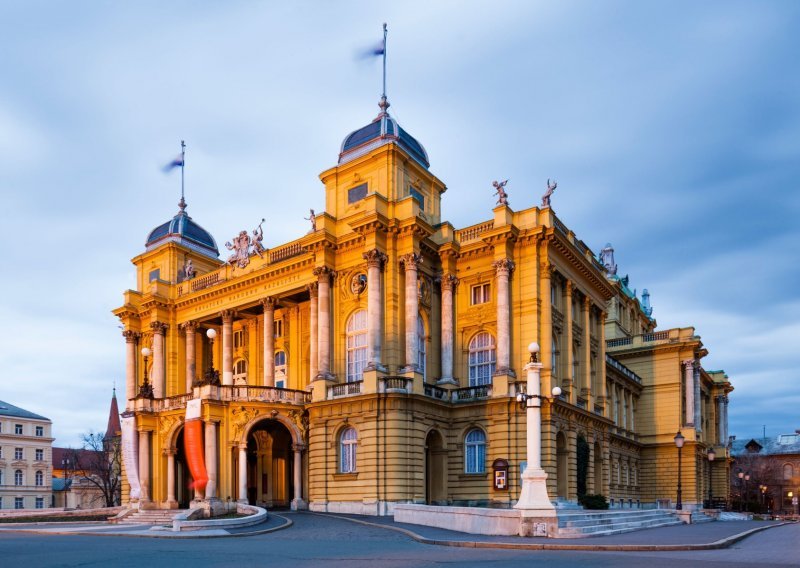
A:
(374, 51)
(176, 163)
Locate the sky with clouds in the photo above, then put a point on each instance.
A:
(673, 129)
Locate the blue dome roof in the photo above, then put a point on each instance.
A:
(383, 130)
(182, 230)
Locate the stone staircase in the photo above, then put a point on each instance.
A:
(602, 523)
(151, 517)
(701, 517)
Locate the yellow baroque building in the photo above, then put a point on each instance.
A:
(376, 359)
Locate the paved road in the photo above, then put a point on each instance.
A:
(334, 543)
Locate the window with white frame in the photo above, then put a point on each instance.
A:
(348, 441)
(240, 372)
(356, 345)
(475, 451)
(39, 454)
(18, 429)
(40, 431)
(39, 478)
(280, 369)
(421, 343)
(18, 503)
(40, 502)
(18, 477)
(238, 339)
(481, 359)
(18, 455)
(480, 294)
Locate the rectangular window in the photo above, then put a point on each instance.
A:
(39, 455)
(18, 453)
(357, 193)
(40, 431)
(18, 429)
(238, 339)
(18, 502)
(413, 192)
(155, 274)
(40, 502)
(480, 294)
(280, 384)
(277, 328)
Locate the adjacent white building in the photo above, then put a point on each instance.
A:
(25, 459)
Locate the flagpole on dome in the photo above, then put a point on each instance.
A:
(183, 165)
(384, 60)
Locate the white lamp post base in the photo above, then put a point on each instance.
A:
(533, 500)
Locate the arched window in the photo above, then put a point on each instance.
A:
(240, 372)
(347, 450)
(788, 471)
(280, 369)
(39, 478)
(18, 477)
(481, 359)
(421, 355)
(356, 345)
(475, 455)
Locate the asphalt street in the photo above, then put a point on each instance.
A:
(331, 542)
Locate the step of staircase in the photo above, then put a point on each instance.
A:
(603, 523)
(151, 517)
(700, 517)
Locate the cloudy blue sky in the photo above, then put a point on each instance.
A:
(673, 129)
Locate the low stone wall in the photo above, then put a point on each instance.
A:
(474, 520)
(59, 512)
(255, 515)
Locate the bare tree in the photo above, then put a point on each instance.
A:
(99, 465)
(757, 471)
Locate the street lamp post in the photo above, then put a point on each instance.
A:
(746, 492)
(533, 499)
(711, 456)
(679, 439)
(146, 390)
(211, 375)
(740, 475)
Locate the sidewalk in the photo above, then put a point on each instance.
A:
(703, 536)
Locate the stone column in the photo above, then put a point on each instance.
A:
(586, 386)
(600, 370)
(546, 324)
(698, 399)
(227, 347)
(411, 261)
(313, 363)
(503, 268)
(211, 459)
(131, 339)
(144, 465)
(375, 260)
(298, 502)
(243, 474)
(688, 377)
(269, 341)
(324, 274)
(190, 329)
(449, 283)
(157, 376)
(170, 476)
(570, 350)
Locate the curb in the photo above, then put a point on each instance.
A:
(184, 535)
(722, 543)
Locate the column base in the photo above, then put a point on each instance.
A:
(533, 499)
(376, 367)
(447, 381)
(299, 505)
(171, 505)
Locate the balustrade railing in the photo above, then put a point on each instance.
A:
(619, 342)
(286, 251)
(471, 393)
(436, 392)
(474, 232)
(345, 389)
(395, 384)
(175, 402)
(656, 336)
(263, 394)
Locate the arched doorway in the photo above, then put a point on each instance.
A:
(598, 469)
(435, 469)
(562, 467)
(269, 465)
(183, 478)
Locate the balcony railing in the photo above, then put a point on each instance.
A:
(474, 232)
(469, 394)
(173, 402)
(395, 384)
(436, 392)
(263, 394)
(345, 389)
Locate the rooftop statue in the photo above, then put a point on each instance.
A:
(258, 236)
(607, 259)
(313, 219)
(502, 196)
(551, 187)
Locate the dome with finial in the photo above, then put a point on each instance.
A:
(182, 230)
(381, 131)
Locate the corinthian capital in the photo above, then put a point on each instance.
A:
(159, 327)
(411, 260)
(313, 289)
(448, 282)
(130, 336)
(689, 363)
(504, 267)
(375, 258)
(188, 327)
(227, 316)
(323, 272)
(268, 303)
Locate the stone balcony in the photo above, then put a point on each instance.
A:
(675, 335)
(225, 393)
